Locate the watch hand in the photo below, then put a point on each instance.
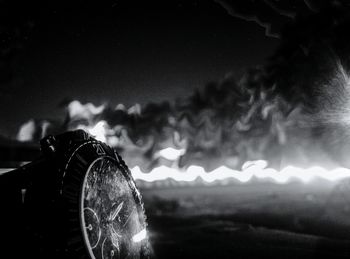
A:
(116, 212)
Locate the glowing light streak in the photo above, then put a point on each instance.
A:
(98, 131)
(77, 109)
(26, 131)
(171, 153)
(250, 170)
(140, 236)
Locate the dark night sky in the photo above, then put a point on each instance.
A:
(124, 52)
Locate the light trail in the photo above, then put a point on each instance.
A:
(139, 236)
(250, 170)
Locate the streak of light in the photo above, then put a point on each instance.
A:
(171, 153)
(250, 170)
(139, 236)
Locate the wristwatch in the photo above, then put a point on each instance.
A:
(80, 201)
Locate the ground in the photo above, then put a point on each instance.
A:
(250, 220)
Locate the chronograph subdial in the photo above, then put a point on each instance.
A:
(92, 226)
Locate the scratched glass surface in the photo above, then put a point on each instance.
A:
(111, 219)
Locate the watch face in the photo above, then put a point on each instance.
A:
(113, 225)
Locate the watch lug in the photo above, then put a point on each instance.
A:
(48, 145)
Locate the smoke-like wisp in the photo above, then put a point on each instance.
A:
(288, 112)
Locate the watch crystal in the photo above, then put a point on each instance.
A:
(112, 224)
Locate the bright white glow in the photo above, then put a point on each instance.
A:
(171, 153)
(79, 110)
(136, 109)
(99, 131)
(250, 170)
(27, 131)
(140, 236)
